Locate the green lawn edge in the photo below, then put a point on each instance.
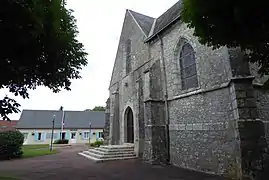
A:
(7, 178)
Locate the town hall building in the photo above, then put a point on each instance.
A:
(182, 103)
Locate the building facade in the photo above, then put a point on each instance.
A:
(79, 126)
(8, 125)
(184, 103)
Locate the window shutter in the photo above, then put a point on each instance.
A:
(42, 136)
(67, 135)
(36, 136)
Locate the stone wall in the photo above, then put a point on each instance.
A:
(201, 132)
(201, 135)
(262, 96)
(207, 128)
(130, 86)
(155, 150)
(107, 123)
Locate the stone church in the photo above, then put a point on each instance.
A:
(183, 103)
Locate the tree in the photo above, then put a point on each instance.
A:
(99, 108)
(232, 23)
(39, 48)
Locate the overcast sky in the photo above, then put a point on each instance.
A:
(99, 23)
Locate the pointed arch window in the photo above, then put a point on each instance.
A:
(128, 56)
(188, 67)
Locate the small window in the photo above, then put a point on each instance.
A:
(39, 137)
(86, 135)
(128, 56)
(25, 135)
(48, 136)
(188, 67)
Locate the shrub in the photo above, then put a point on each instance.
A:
(10, 144)
(61, 141)
(97, 144)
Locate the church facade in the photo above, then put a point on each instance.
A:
(184, 103)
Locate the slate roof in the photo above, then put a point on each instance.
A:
(145, 22)
(168, 17)
(151, 28)
(35, 119)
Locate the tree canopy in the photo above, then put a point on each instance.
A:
(231, 23)
(99, 108)
(39, 48)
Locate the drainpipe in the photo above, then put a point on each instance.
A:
(165, 101)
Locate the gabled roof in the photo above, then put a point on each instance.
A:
(166, 19)
(152, 26)
(145, 22)
(35, 119)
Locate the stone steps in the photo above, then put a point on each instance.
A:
(101, 152)
(111, 152)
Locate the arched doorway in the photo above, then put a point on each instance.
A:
(130, 125)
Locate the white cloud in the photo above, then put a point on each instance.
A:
(99, 24)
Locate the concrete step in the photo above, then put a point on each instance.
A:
(104, 149)
(105, 156)
(111, 152)
(101, 152)
(117, 147)
(107, 159)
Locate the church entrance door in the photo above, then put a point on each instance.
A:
(130, 125)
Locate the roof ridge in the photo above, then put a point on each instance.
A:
(52, 110)
(140, 13)
(165, 19)
(137, 22)
(169, 9)
(144, 22)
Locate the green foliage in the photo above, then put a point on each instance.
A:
(10, 144)
(39, 48)
(231, 23)
(97, 143)
(99, 108)
(61, 141)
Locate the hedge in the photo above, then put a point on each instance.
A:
(97, 144)
(61, 141)
(10, 144)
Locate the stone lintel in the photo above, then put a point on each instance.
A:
(153, 100)
(238, 78)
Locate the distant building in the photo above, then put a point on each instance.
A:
(7, 125)
(36, 125)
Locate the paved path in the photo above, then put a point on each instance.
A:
(67, 165)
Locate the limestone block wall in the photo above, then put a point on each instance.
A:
(201, 132)
(262, 97)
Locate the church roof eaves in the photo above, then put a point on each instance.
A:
(166, 19)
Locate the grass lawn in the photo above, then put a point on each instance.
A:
(7, 178)
(36, 150)
(36, 146)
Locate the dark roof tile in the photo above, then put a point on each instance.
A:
(73, 119)
(145, 22)
(166, 18)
